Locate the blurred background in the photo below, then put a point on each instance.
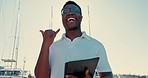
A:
(121, 25)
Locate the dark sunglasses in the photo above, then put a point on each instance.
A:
(73, 10)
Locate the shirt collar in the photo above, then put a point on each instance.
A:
(84, 35)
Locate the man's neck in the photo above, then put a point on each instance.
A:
(72, 34)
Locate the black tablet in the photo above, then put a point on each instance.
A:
(78, 68)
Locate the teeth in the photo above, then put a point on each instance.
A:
(73, 19)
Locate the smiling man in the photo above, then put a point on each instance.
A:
(74, 45)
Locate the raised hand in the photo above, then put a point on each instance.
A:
(49, 36)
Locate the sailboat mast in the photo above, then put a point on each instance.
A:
(51, 18)
(17, 45)
(89, 21)
(16, 38)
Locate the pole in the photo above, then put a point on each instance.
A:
(89, 21)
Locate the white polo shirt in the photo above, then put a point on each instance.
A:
(84, 47)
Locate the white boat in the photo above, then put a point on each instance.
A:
(10, 69)
(9, 72)
(13, 73)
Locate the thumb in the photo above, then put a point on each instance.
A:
(57, 31)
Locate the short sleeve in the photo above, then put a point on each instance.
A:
(50, 56)
(103, 64)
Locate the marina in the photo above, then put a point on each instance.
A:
(120, 25)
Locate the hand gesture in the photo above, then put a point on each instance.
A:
(48, 36)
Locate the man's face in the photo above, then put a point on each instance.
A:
(71, 17)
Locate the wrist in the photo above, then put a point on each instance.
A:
(46, 44)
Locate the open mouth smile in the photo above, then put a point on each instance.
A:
(71, 19)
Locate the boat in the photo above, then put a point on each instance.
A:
(9, 72)
(10, 69)
(13, 73)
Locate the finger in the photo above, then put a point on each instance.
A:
(67, 76)
(70, 76)
(87, 74)
(57, 31)
(42, 32)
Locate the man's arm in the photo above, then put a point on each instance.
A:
(42, 69)
(105, 74)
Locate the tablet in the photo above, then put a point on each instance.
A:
(78, 68)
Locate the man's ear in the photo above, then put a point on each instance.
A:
(81, 17)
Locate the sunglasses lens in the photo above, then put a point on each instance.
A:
(76, 11)
(73, 10)
(65, 12)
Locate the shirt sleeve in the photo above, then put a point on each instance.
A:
(50, 56)
(103, 64)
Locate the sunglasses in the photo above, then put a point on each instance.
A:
(73, 10)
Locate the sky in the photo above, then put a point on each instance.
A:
(121, 25)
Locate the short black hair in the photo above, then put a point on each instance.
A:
(74, 3)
